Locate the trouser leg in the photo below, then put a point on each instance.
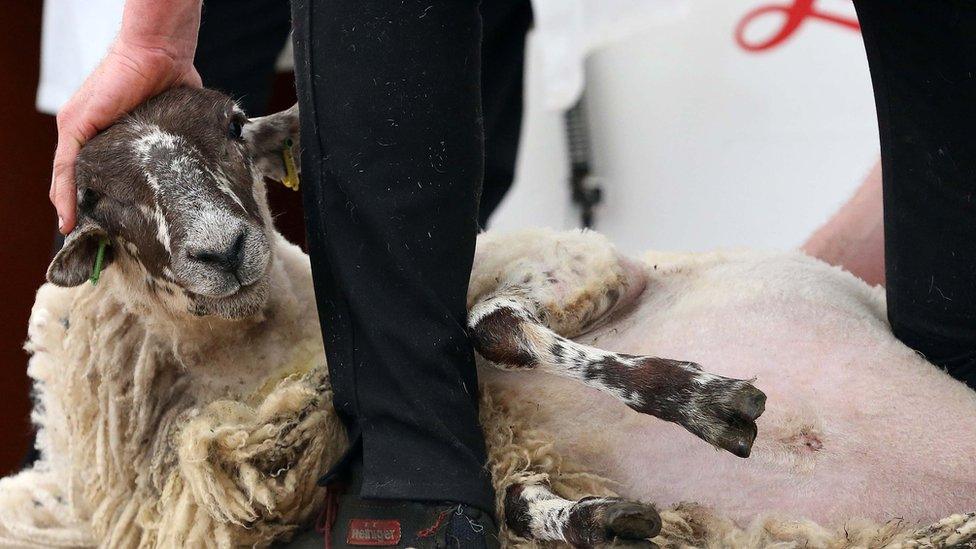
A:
(923, 64)
(239, 43)
(506, 23)
(392, 165)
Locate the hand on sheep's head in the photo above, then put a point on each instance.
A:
(177, 188)
(153, 52)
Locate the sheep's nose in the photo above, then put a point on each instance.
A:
(227, 259)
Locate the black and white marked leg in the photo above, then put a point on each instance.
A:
(720, 410)
(533, 511)
(565, 283)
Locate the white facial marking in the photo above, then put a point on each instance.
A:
(223, 184)
(162, 228)
(156, 138)
(152, 138)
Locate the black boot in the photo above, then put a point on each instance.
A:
(359, 522)
(349, 520)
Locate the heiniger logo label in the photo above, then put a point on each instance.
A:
(375, 533)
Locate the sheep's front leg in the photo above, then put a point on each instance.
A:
(531, 292)
(720, 410)
(533, 511)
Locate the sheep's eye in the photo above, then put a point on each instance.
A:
(235, 129)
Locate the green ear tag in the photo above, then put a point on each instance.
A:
(291, 172)
(99, 259)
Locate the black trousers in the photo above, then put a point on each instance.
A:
(922, 55)
(238, 45)
(240, 40)
(394, 146)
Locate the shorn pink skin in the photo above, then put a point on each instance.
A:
(856, 424)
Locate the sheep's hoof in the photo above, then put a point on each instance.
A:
(612, 522)
(726, 414)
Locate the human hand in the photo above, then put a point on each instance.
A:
(137, 67)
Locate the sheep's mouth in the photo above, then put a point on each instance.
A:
(245, 301)
(243, 288)
(226, 286)
(234, 292)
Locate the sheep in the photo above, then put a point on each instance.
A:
(169, 416)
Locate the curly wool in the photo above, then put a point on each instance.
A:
(143, 446)
(521, 453)
(518, 452)
(140, 448)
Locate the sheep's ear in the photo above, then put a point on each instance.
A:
(267, 137)
(73, 265)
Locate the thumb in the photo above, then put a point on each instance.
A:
(192, 78)
(62, 192)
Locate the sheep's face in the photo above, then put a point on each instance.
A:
(177, 190)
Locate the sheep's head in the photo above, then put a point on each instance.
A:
(177, 189)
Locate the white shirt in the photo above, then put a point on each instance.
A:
(77, 33)
(75, 36)
(566, 31)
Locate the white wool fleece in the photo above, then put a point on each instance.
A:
(158, 431)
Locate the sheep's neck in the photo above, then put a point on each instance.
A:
(194, 336)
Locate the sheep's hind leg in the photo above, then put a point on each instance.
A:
(512, 326)
(533, 511)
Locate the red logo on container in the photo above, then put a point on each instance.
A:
(375, 533)
(793, 14)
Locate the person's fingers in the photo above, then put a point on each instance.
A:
(192, 78)
(62, 193)
(80, 119)
(122, 81)
(63, 183)
(76, 125)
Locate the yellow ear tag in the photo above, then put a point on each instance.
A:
(291, 172)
